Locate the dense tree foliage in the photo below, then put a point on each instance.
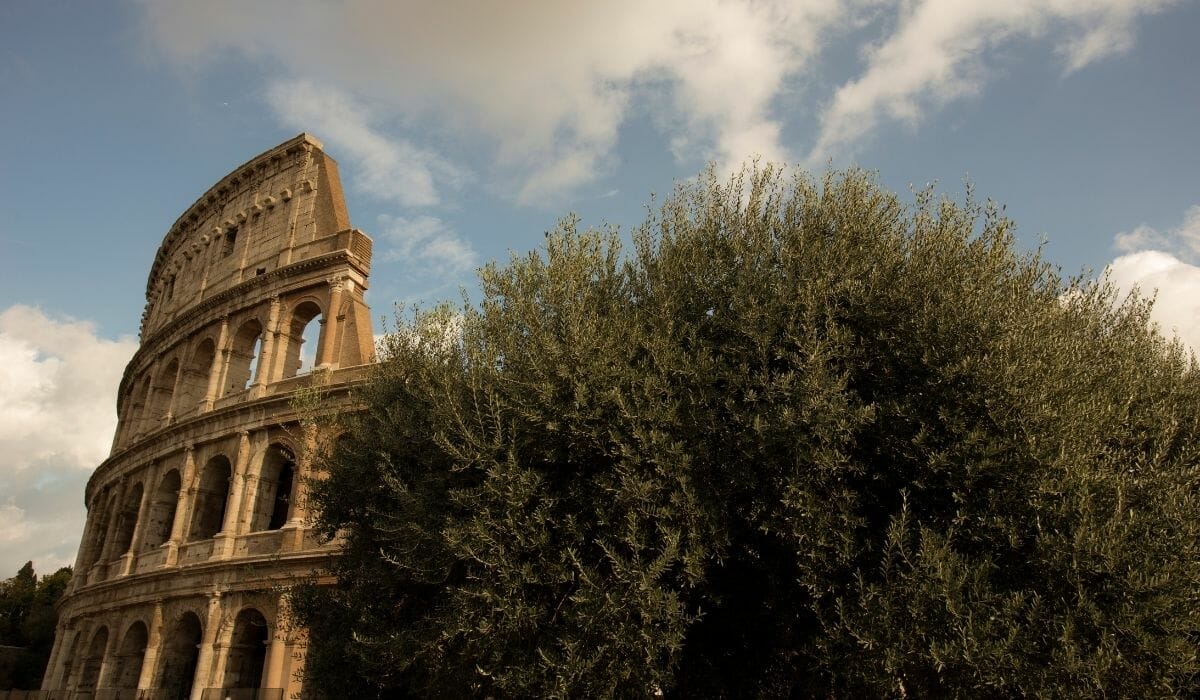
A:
(27, 620)
(800, 440)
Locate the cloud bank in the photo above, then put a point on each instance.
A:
(58, 380)
(545, 87)
(1163, 263)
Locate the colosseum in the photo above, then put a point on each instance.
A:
(197, 520)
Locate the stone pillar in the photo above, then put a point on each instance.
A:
(329, 332)
(187, 494)
(108, 661)
(224, 540)
(56, 653)
(204, 661)
(219, 364)
(221, 655)
(114, 518)
(225, 353)
(68, 664)
(139, 527)
(170, 415)
(277, 651)
(258, 453)
(86, 544)
(265, 372)
(153, 647)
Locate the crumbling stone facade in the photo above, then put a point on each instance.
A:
(197, 521)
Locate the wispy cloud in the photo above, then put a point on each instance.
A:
(426, 245)
(1183, 239)
(940, 52)
(386, 167)
(58, 380)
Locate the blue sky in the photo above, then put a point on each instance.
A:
(466, 130)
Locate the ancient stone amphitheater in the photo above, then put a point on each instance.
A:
(197, 520)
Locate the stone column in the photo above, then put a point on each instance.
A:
(204, 661)
(187, 493)
(139, 527)
(68, 664)
(225, 353)
(325, 354)
(224, 540)
(108, 660)
(170, 416)
(277, 646)
(265, 373)
(114, 518)
(221, 655)
(153, 648)
(56, 653)
(258, 453)
(219, 364)
(86, 543)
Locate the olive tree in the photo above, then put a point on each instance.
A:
(799, 438)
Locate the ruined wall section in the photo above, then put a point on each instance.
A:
(264, 215)
(198, 519)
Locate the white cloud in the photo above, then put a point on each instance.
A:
(1176, 285)
(59, 383)
(939, 53)
(427, 245)
(545, 85)
(1161, 263)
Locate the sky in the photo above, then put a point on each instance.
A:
(466, 130)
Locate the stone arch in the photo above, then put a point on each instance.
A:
(272, 505)
(158, 407)
(244, 354)
(93, 659)
(247, 653)
(212, 495)
(303, 338)
(193, 386)
(127, 666)
(127, 521)
(161, 514)
(180, 654)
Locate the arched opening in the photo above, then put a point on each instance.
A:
(161, 514)
(180, 651)
(244, 356)
(272, 504)
(247, 651)
(194, 385)
(159, 405)
(89, 673)
(127, 521)
(211, 497)
(304, 334)
(128, 664)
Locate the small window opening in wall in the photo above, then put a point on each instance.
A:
(170, 291)
(230, 242)
(260, 271)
